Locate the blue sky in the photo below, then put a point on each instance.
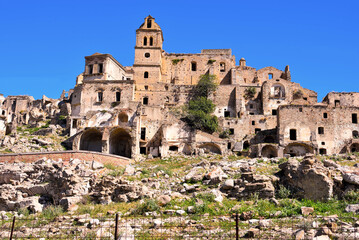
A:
(43, 43)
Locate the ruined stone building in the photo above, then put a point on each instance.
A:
(130, 110)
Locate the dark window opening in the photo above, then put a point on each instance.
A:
(229, 145)
(147, 55)
(300, 109)
(231, 131)
(222, 67)
(166, 88)
(293, 134)
(323, 143)
(337, 103)
(3, 112)
(325, 115)
(305, 98)
(143, 150)
(143, 133)
(239, 114)
(74, 123)
(250, 106)
(253, 122)
(145, 41)
(118, 96)
(322, 151)
(251, 113)
(274, 112)
(173, 148)
(320, 130)
(257, 130)
(194, 66)
(354, 118)
(227, 113)
(270, 76)
(149, 23)
(355, 134)
(145, 75)
(128, 78)
(146, 87)
(145, 100)
(151, 41)
(246, 145)
(99, 96)
(100, 68)
(90, 67)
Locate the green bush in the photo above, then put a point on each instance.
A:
(283, 192)
(250, 92)
(205, 86)
(149, 205)
(51, 212)
(352, 196)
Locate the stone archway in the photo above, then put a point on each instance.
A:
(91, 140)
(120, 142)
(298, 149)
(211, 147)
(269, 151)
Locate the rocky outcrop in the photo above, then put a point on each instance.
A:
(307, 179)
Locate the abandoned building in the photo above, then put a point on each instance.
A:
(128, 110)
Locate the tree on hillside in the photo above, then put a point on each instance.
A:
(199, 109)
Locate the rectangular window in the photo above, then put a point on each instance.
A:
(231, 131)
(145, 100)
(146, 87)
(90, 69)
(322, 151)
(194, 66)
(257, 130)
(229, 145)
(293, 134)
(227, 113)
(354, 118)
(143, 133)
(300, 109)
(325, 115)
(100, 68)
(320, 130)
(99, 96)
(118, 96)
(274, 112)
(74, 123)
(253, 122)
(337, 103)
(250, 106)
(143, 150)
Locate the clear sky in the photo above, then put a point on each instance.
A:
(43, 43)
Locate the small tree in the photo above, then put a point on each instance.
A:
(199, 108)
(205, 86)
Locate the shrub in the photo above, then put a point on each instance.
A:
(149, 205)
(352, 196)
(51, 212)
(205, 86)
(283, 192)
(249, 92)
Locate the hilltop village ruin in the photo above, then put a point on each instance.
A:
(130, 110)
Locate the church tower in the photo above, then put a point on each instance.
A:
(148, 52)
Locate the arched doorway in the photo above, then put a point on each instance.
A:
(211, 147)
(269, 151)
(120, 142)
(297, 149)
(91, 140)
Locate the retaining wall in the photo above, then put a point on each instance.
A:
(66, 156)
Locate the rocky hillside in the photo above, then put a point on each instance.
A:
(188, 187)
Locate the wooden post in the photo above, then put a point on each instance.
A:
(12, 227)
(116, 226)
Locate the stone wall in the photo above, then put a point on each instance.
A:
(66, 156)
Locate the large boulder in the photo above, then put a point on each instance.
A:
(308, 179)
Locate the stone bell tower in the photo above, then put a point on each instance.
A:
(148, 52)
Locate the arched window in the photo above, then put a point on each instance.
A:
(145, 41)
(145, 75)
(151, 41)
(149, 23)
(277, 91)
